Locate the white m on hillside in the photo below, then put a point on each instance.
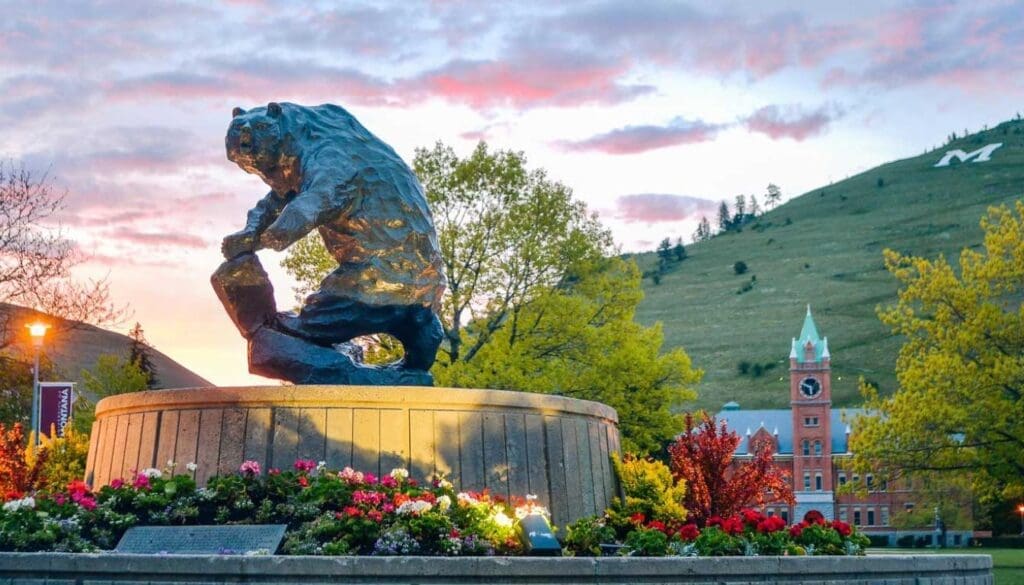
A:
(980, 155)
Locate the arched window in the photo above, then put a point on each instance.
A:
(807, 447)
(817, 448)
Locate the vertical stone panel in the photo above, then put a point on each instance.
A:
(95, 438)
(339, 438)
(586, 466)
(167, 439)
(285, 438)
(188, 440)
(421, 444)
(147, 441)
(537, 459)
(557, 470)
(257, 435)
(515, 452)
(131, 444)
(394, 440)
(573, 475)
(495, 461)
(366, 440)
(120, 438)
(606, 465)
(471, 457)
(211, 421)
(232, 441)
(594, 443)
(313, 434)
(446, 445)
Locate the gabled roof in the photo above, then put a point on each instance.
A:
(782, 420)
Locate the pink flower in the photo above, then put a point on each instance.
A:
(60, 499)
(88, 503)
(273, 471)
(117, 483)
(387, 508)
(370, 478)
(141, 482)
(250, 468)
(389, 482)
(306, 465)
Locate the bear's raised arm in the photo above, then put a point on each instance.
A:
(323, 197)
(257, 220)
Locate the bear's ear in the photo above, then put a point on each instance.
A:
(274, 109)
(237, 112)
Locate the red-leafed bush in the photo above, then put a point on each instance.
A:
(716, 486)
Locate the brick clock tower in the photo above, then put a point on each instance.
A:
(810, 395)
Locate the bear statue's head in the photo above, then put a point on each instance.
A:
(256, 141)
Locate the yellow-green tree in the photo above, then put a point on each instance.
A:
(959, 407)
(112, 374)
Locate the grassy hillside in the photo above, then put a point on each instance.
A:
(77, 348)
(825, 248)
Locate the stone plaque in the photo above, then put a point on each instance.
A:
(202, 540)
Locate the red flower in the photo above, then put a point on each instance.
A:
(375, 515)
(78, 487)
(273, 471)
(715, 521)
(88, 503)
(842, 528)
(13, 495)
(752, 517)
(637, 518)
(117, 483)
(412, 482)
(797, 529)
(773, 524)
(657, 525)
(689, 532)
(814, 517)
(733, 525)
(353, 512)
(303, 481)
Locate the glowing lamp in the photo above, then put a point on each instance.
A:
(37, 331)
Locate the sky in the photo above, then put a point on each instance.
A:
(652, 112)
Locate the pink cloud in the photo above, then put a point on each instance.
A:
(661, 207)
(636, 139)
(174, 239)
(791, 121)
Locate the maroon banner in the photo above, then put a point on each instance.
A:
(55, 402)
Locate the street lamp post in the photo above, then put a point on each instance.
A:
(38, 332)
(1020, 509)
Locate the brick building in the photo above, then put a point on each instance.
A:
(811, 441)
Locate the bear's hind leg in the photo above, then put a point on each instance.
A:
(421, 335)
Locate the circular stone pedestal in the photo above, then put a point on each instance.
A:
(513, 443)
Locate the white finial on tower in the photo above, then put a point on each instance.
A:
(848, 429)
(808, 308)
(824, 348)
(792, 350)
(776, 431)
(748, 431)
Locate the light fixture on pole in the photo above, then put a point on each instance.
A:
(37, 331)
(1020, 509)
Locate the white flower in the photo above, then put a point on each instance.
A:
(399, 473)
(531, 497)
(414, 507)
(15, 505)
(190, 467)
(444, 502)
(321, 465)
(467, 499)
(153, 473)
(502, 519)
(444, 484)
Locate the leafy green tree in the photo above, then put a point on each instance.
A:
(581, 340)
(959, 408)
(112, 375)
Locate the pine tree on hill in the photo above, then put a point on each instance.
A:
(679, 250)
(724, 217)
(139, 353)
(774, 195)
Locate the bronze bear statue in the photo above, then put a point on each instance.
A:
(329, 173)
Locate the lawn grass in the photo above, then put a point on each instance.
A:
(1007, 563)
(825, 248)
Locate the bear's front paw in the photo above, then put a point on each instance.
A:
(238, 244)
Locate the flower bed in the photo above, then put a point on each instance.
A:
(354, 513)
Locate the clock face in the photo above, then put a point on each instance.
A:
(810, 387)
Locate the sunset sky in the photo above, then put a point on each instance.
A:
(651, 111)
